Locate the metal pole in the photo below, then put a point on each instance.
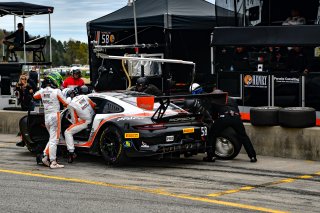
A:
(303, 91)
(212, 51)
(24, 42)
(50, 39)
(269, 92)
(135, 24)
(272, 90)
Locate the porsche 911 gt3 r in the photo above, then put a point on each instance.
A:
(127, 124)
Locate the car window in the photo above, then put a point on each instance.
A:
(99, 104)
(110, 107)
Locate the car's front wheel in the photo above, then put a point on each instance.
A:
(111, 146)
(227, 145)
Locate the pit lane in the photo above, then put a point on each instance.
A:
(146, 185)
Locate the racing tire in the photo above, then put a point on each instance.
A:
(264, 116)
(111, 146)
(227, 145)
(297, 117)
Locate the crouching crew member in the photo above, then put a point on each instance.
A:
(229, 116)
(225, 116)
(82, 110)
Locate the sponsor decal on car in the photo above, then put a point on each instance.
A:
(129, 118)
(169, 138)
(188, 130)
(127, 144)
(182, 119)
(131, 135)
(144, 145)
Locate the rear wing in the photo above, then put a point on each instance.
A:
(216, 99)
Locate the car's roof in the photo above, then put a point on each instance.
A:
(120, 94)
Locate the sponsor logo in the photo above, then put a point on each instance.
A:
(258, 81)
(129, 118)
(131, 135)
(182, 119)
(144, 145)
(188, 130)
(170, 138)
(127, 144)
(287, 80)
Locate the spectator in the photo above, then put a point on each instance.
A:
(24, 91)
(34, 76)
(74, 80)
(17, 42)
(295, 18)
(240, 60)
(297, 61)
(278, 57)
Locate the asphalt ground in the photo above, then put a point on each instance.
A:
(148, 185)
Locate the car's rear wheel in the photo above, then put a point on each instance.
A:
(111, 146)
(227, 145)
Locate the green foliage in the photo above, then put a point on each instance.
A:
(63, 54)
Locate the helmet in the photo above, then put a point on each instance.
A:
(195, 88)
(217, 91)
(76, 71)
(55, 78)
(142, 81)
(84, 90)
(68, 92)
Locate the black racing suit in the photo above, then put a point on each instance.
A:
(229, 116)
(150, 89)
(226, 116)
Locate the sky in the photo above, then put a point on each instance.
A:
(69, 18)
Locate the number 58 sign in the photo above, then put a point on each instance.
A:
(104, 38)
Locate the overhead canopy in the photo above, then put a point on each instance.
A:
(301, 35)
(168, 14)
(23, 9)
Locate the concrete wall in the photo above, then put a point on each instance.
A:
(298, 143)
(9, 121)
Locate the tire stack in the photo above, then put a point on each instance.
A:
(292, 117)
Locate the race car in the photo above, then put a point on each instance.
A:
(128, 124)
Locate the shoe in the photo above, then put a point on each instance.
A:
(55, 165)
(39, 158)
(21, 144)
(253, 159)
(71, 157)
(45, 160)
(209, 159)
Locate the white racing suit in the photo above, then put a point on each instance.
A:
(51, 99)
(82, 110)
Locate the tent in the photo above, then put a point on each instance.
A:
(168, 14)
(181, 28)
(23, 9)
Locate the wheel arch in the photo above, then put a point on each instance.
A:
(95, 145)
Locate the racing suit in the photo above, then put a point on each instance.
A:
(51, 99)
(229, 116)
(82, 110)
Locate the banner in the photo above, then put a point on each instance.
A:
(256, 81)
